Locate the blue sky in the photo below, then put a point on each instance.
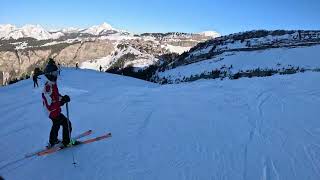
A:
(224, 16)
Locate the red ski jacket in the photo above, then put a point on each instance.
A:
(51, 99)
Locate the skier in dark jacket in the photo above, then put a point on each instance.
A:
(52, 101)
(35, 80)
(35, 77)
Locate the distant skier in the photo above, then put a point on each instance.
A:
(35, 77)
(52, 101)
(100, 68)
(77, 66)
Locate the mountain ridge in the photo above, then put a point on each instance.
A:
(247, 54)
(28, 47)
(8, 31)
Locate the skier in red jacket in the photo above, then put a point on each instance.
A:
(52, 101)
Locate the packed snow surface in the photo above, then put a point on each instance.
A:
(259, 128)
(104, 62)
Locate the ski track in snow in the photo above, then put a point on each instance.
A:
(259, 128)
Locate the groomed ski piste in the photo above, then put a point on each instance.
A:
(249, 129)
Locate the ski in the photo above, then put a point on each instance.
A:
(53, 150)
(86, 133)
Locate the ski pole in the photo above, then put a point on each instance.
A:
(68, 120)
(67, 111)
(67, 107)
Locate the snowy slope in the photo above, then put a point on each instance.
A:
(260, 128)
(176, 49)
(104, 62)
(141, 61)
(304, 57)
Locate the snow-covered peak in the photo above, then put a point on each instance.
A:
(70, 30)
(106, 26)
(34, 31)
(5, 29)
(213, 34)
(8, 31)
(96, 30)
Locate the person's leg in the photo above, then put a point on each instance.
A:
(67, 129)
(54, 131)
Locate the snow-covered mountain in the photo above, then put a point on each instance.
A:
(259, 128)
(22, 49)
(100, 29)
(5, 29)
(8, 31)
(70, 30)
(212, 34)
(257, 53)
(34, 31)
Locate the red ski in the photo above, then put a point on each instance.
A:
(55, 149)
(86, 133)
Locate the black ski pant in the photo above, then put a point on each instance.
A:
(61, 120)
(35, 83)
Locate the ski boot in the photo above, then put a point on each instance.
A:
(51, 145)
(71, 143)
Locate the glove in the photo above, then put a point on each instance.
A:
(65, 99)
